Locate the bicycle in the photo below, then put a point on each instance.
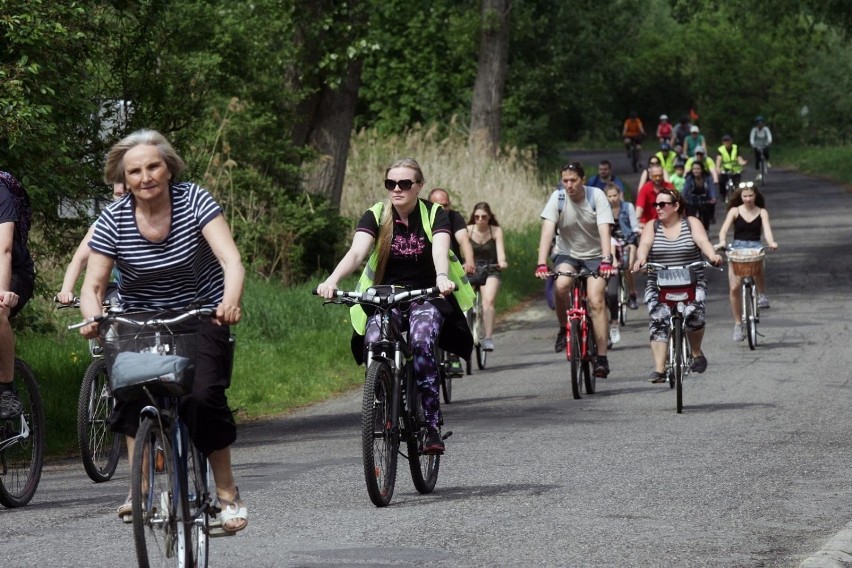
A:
(731, 183)
(447, 371)
(746, 263)
(100, 449)
(677, 286)
(22, 442)
(634, 155)
(476, 323)
(581, 346)
(151, 357)
(391, 410)
(762, 168)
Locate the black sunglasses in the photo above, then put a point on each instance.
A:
(662, 204)
(404, 184)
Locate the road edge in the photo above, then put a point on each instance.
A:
(836, 553)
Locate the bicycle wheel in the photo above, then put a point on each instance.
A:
(444, 376)
(100, 448)
(678, 363)
(479, 335)
(748, 315)
(591, 352)
(22, 440)
(575, 355)
(763, 170)
(379, 441)
(623, 297)
(159, 531)
(198, 498)
(424, 467)
(634, 158)
(468, 363)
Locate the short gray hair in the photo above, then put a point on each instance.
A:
(114, 166)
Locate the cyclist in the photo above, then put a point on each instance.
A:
(674, 239)
(678, 177)
(760, 139)
(667, 158)
(693, 141)
(583, 217)
(626, 231)
(172, 245)
(729, 164)
(664, 129)
(699, 193)
(680, 133)
(81, 256)
(486, 237)
(460, 244)
(702, 157)
(750, 219)
(605, 176)
(17, 277)
(645, 210)
(406, 241)
(645, 175)
(633, 132)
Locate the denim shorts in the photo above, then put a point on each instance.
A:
(738, 244)
(577, 264)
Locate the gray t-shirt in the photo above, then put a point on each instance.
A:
(578, 224)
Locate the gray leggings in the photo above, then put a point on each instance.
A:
(423, 322)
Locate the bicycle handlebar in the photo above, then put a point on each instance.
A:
(75, 303)
(582, 274)
(691, 265)
(352, 297)
(183, 316)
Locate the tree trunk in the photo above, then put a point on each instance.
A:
(490, 76)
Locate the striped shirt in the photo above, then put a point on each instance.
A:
(170, 274)
(678, 252)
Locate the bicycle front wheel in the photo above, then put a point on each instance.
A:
(591, 351)
(22, 454)
(678, 363)
(424, 467)
(575, 355)
(379, 437)
(199, 500)
(623, 297)
(444, 376)
(749, 318)
(100, 448)
(479, 335)
(158, 494)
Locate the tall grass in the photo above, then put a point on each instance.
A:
(825, 161)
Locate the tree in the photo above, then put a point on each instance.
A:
(491, 72)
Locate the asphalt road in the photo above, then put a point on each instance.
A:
(756, 472)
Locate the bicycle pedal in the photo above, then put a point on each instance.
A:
(214, 529)
(447, 435)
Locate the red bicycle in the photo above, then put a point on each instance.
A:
(581, 346)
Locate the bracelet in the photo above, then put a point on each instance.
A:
(444, 274)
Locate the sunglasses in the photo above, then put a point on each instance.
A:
(657, 178)
(480, 216)
(663, 204)
(404, 184)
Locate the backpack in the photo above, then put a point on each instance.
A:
(22, 205)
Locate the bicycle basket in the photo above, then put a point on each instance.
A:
(156, 357)
(746, 262)
(676, 285)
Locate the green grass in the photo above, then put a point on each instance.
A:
(825, 161)
(291, 350)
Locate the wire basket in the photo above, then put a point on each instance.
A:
(746, 262)
(150, 357)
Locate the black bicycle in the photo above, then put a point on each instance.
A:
(391, 410)
(22, 442)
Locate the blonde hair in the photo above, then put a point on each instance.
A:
(385, 237)
(114, 166)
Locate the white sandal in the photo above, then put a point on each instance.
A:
(232, 511)
(125, 512)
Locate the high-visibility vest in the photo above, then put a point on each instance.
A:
(463, 294)
(667, 163)
(729, 161)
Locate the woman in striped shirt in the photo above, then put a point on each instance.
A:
(173, 248)
(674, 240)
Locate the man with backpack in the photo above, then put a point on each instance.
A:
(580, 219)
(17, 276)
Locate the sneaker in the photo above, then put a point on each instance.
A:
(454, 367)
(632, 303)
(10, 405)
(601, 367)
(763, 302)
(433, 444)
(699, 364)
(488, 344)
(758, 177)
(614, 335)
(561, 341)
(738, 332)
(657, 377)
(768, 165)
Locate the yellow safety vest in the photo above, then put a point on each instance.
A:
(729, 161)
(463, 294)
(667, 163)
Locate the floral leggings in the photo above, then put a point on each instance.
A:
(660, 313)
(423, 323)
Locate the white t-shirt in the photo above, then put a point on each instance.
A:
(578, 225)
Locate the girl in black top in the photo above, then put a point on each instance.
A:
(486, 238)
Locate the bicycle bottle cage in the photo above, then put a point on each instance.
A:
(676, 285)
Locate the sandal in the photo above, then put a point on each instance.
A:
(125, 512)
(230, 511)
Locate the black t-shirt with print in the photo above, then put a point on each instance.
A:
(410, 262)
(457, 223)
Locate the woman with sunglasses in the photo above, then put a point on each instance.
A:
(486, 237)
(405, 241)
(674, 239)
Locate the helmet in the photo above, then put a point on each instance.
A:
(665, 146)
(727, 137)
(759, 119)
(664, 117)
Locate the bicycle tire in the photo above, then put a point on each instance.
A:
(424, 467)
(749, 316)
(575, 354)
(623, 298)
(678, 365)
(444, 376)
(22, 461)
(199, 500)
(468, 363)
(479, 334)
(591, 352)
(159, 529)
(379, 436)
(100, 448)
(634, 158)
(763, 171)
(481, 357)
